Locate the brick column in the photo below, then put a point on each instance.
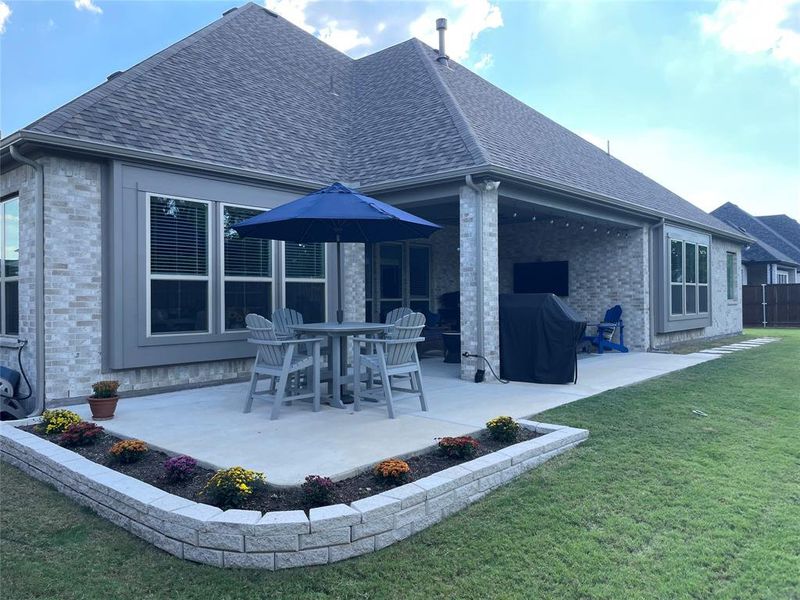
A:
(353, 275)
(479, 277)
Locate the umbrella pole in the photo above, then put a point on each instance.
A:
(339, 311)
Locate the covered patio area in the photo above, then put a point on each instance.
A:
(208, 423)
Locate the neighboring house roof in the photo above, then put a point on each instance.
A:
(253, 91)
(770, 245)
(786, 227)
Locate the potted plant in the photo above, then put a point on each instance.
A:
(104, 400)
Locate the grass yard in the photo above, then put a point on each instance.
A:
(658, 503)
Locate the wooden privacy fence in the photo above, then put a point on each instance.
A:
(776, 305)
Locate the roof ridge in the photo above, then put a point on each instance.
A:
(108, 87)
(476, 150)
(776, 253)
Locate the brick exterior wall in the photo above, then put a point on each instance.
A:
(22, 180)
(73, 288)
(472, 279)
(726, 315)
(604, 269)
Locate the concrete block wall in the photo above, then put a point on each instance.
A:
(726, 315)
(282, 539)
(604, 269)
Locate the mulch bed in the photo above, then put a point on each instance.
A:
(150, 469)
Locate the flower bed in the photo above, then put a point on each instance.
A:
(150, 469)
(203, 533)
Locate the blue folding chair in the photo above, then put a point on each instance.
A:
(604, 332)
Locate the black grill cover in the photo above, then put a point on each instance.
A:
(539, 335)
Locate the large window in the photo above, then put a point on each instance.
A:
(247, 271)
(304, 272)
(688, 267)
(178, 265)
(9, 266)
(730, 258)
(403, 278)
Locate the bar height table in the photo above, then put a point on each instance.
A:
(338, 333)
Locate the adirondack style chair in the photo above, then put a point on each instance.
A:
(284, 365)
(396, 314)
(604, 332)
(395, 354)
(282, 319)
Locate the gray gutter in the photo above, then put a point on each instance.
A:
(49, 139)
(38, 276)
(573, 191)
(383, 186)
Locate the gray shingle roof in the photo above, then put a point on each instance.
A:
(770, 246)
(255, 92)
(787, 228)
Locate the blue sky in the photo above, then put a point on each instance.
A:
(702, 97)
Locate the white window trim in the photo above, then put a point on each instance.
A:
(324, 281)
(3, 278)
(149, 277)
(696, 284)
(226, 278)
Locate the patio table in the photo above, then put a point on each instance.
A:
(338, 333)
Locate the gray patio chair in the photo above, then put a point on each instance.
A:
(282, 319)
(283, 364)
(395, 354)
(396, 314)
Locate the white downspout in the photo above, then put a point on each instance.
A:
(38, 276)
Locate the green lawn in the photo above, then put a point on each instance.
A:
(658, 503)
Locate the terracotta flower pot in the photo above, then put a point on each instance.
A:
(103, 408)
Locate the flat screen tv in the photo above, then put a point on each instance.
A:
(542, 278)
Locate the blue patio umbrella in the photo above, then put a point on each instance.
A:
(336, 214)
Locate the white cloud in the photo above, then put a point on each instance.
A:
(5, 13)
(381, 26)
(291, 10)
(755, 27)
(343, 40)
(484, 62)
(329, 31)
(705, 175)
(89, 6)
(466, 20)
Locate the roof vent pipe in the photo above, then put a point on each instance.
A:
(441, 27)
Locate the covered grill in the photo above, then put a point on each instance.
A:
(539, 335)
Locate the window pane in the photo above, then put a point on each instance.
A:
(12, 308)
(418, 271)
(691, 299)
(11, 237)
(368, 310)
(305, 261)
(421, 306)
(703, 303)
(731, 261)
(178, 306)
(244, 297)
(244, 257)
(387, 307)
(691, 272)
(308, 299)
(702, 264)
(178, 236)
(676, 261)
(391, 266)
(677, 300)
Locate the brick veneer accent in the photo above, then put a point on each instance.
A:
(282, 539)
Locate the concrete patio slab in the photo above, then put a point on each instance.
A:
(208, 423)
